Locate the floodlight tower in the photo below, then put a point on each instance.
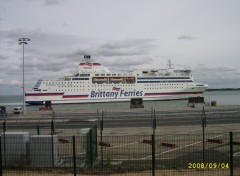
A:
(23, 41)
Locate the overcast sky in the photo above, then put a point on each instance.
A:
(202, 35)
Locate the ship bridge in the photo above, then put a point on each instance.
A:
(88, 65)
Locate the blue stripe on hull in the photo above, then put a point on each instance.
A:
(35, 102)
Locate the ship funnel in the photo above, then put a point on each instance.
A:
(87, 56)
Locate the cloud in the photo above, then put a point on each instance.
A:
(51, 2)
(186, 37)
(3, 57)
(15, 83)
(2, 82)
(48, 2)
(51, 55)
(126, 62)
(39, 38)
(46, 53)
(128, 47)
(119, 54)
(217, 77)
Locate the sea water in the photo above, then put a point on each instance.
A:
(221, 97)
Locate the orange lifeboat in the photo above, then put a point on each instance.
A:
(130, 79)
(99, 79)
(116, 79)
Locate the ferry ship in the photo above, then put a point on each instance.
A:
(94, 83)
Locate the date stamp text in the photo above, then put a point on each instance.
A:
(208, 166)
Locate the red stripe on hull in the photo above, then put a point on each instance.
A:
(55, 94)
(44, 94)
(75, 96)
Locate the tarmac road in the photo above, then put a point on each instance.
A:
(129, 119)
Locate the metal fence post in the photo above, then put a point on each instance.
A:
(38, 130)
(0, 155)
(153, 155)
(154, 122)
(231, 153)
(4, 142)
(153, 141)
(91, 147)
(74, 157)
(52, 133)
(204, 124)
(52, 128)
(94, 140)
(101, 138)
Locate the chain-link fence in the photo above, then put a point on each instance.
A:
(128, 155)
(45, 146)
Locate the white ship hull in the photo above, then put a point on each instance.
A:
(38, 99)
(95, 84)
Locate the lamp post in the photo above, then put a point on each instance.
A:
(23, 41)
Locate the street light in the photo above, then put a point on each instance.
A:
(23, 41)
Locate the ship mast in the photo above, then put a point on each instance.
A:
(170, 64)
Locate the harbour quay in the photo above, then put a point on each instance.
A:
(132, 118)
(121, 141)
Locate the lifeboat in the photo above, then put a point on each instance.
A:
(130, 79)
(116, 79)
(100, 79)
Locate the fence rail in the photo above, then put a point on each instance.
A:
(173, 114)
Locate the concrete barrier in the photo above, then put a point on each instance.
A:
(218, 141)
(168, 145)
